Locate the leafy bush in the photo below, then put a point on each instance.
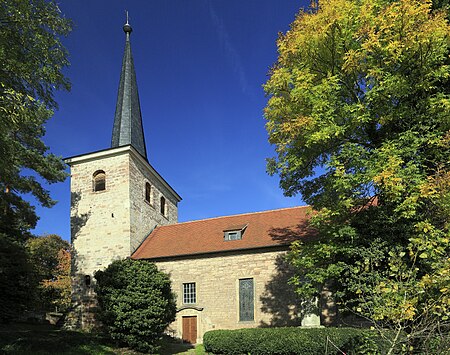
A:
(271, 341)
(436, 345)
(50, 258)
(136, 303)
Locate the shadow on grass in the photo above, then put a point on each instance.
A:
(24, 339)
(46, 339)
(170, 346)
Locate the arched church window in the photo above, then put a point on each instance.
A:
(163, 205)
(148, 192)
(99, 180)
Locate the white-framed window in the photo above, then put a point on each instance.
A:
(233, 235)
(234, 232)
(189, 293)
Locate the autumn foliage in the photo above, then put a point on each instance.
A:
(359, 110)
(60, 283)
(50, 261)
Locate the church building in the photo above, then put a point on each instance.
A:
(227, 272)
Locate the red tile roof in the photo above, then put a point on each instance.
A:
(264, 229)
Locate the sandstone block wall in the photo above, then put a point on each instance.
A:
(100, 221)
(217, 290)
(145, 216)
(110, 224)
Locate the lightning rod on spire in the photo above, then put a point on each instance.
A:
(127, 28)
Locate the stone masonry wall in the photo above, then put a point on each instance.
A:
(110, 224)
(145, 216)
(217, 290)
(100, 221)
(100, 229)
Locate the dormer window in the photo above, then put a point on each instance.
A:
(233, 235)
(234, 232)
(99, 181)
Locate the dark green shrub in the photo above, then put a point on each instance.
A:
(289, 341)
(17, 279)
(369, 342)
(436, 345)
(136, 303)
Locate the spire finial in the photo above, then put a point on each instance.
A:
(127, 28)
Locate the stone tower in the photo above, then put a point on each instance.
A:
(117, 197)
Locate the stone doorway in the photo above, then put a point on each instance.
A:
(190, 329)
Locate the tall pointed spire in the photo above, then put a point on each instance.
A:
(127, 119)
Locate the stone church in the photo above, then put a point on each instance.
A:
(227, 272)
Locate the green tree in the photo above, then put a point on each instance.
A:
(31, 62)
(50, 259)
(136, 303)
(359, 113)
(18, 284)
(32, 58)
(61, 284)
(44, 254)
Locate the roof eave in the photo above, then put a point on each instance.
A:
(209, 253)
(77, 159)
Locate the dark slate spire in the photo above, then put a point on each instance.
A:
(128, 120)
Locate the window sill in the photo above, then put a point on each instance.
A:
(246, 322)
(99, 192)
(148, 203)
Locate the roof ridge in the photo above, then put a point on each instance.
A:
(235, 215)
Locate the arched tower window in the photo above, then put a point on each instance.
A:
(148, 192)
(99, 180)
(163, 205)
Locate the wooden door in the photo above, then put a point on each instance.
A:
(190, 329)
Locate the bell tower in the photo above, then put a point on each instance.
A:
(117, 197)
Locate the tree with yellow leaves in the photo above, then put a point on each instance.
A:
(359, 113)
(50, 259)
(60, 283)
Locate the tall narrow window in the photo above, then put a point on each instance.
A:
(189, 294)
(148, 192)
(99, 180)
(163, 205)
(246, 300)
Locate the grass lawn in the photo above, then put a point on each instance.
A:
(39, 339)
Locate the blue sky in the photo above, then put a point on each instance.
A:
(200, 68)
